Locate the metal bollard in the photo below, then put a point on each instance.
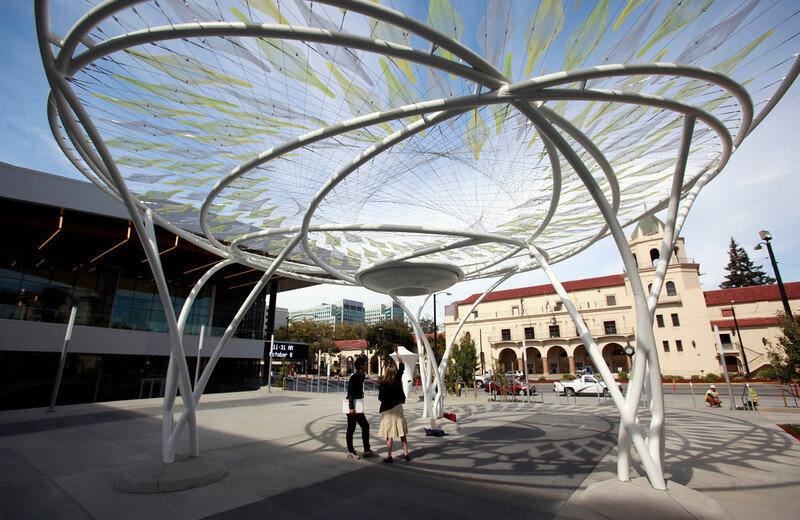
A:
(691, 389)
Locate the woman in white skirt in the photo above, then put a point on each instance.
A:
(392, 397)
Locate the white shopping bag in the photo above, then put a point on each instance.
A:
(358, 403)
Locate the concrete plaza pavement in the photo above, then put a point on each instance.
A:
(285, 452)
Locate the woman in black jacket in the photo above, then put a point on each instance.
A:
(392, 397)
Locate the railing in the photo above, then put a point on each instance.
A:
(565, 333)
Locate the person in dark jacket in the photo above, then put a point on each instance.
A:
(392, 397)
(355, 390)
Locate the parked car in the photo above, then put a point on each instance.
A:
(517, 387)
(481, 380)
(515, 374)
(584, 385)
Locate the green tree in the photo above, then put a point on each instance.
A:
(324, 345)
(384, 335)
(463, 362)
(785, 357)
(347, 331)
(427, 325)
(439, 347)
(305, 330)
(741, 271)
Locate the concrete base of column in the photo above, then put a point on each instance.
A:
(184, 473)
(637, 500)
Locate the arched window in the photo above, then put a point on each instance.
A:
(649, 289)
(671, 289)
(675, 255)
(635, 260)
(654, 254)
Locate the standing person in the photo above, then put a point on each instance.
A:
(355, 390)
(392, 397)
(712, 397)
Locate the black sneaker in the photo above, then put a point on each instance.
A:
(407, 457)
(388, 459)
(352, 455)
(367, 454)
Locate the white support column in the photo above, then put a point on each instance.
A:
(644, 326)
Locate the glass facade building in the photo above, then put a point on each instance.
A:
(66, 244)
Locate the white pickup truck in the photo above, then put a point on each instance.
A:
(582, 386)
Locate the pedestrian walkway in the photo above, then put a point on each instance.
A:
(286, 459)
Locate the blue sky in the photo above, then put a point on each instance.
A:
(757, 190)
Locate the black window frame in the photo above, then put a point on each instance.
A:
(529, 332)
(674, 291)
(676, 321)
(665, 344)
(610, 327)
(660, 321)
(611, 300)
(678, 345)
(505, 334)
(555, 329)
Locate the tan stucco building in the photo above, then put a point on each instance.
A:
(685, 315)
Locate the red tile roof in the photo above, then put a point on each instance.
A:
(539, 290)
(751, 294)
(746, 322)
(352, 344)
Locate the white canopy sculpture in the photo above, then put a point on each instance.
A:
(407, 145)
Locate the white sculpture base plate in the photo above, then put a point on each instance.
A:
(637, 500)
(184, 473)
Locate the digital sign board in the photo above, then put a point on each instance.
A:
(289, 350)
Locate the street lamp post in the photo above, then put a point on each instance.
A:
(435, 326)
(766, 236)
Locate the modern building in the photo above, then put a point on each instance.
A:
(281, 318)
(343, 311)
(531, 323)
(67, 244)
(382, 312)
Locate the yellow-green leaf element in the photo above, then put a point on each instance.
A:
(476, 134)
(288, 59)
(680, 13)
(133, 144)
(586, 37)
(443, 17)
(177, 93)
(270, 9)
(632, 4)
(358, 99)
(149, 107)
(138, 163)
(229, 128)
(332, 240)
(542, 29)
(159, 195)
(727, 66)
(399, 93)
(188, 70)
(191, 167)
(192, 182)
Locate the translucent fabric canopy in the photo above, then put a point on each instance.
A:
(403, 129)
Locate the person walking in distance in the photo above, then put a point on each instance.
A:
(392, 397)
(355, 392)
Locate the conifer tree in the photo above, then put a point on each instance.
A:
(741, 271)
